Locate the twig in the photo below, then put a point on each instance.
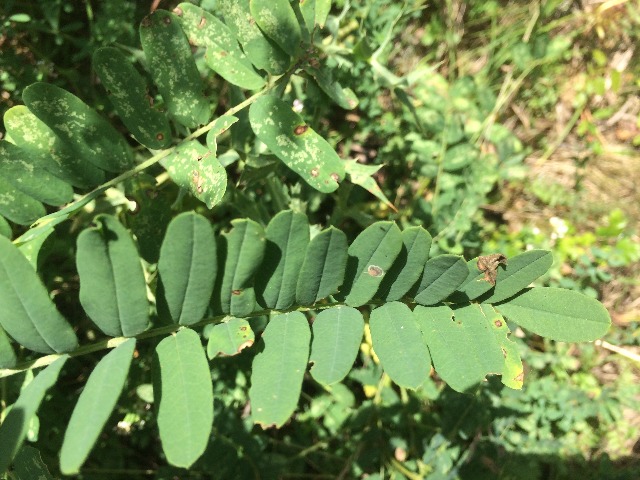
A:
(619, 350)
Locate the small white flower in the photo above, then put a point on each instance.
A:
(297, 105)
(559, 226)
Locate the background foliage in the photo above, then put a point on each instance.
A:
(502, 126)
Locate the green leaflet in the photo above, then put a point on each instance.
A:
(88, 134)
(518, 274)
(323, 7)
(223, 54)
(127, 91)
(308, 11)
(173, 68)
(188, 267)
(262, 51)
(31, 248)
(343, 97)
(473, 286)
(184, 397)
(277, 371)
(240, 251)
(337, 334)
(463, 347)
(14, 427)
(323, 267)
(195, 168)
(370, 257)
(558, 314)
(7, 355)
(18, 207)
(96, 402)
(31, 178)
(296, 144)
(287, 238)
(5, 228)
(46, 149)
(278, 21)
(399, 345)
(442, 276)
(230, 337)
(113, 291)
(512, 370)
(218, 127)
(406, 270)
(26, 312)
(361, 175)
(28, 465)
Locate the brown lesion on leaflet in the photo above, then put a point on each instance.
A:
(488, 264)
(300, 129)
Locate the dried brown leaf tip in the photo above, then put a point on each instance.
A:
(489, 266)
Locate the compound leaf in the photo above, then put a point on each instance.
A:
(296, 144)
(96, 402)
(337, 334)
(16, 424)
(26, 312)
(127, 91)
(188, 266)
(399, 345)
(88, 134)
(184, 397)
(323, 267)
(277, 371)
(113, 291)
(287, 238)
(173, 68)
(558, 314)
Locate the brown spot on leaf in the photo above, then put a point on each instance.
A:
(498, 323)
(488, 264)
(160, 136)
(315, 172)
(222, 53)
(244, 345)
(520, 377)
(236, 292)
(167, 20)
(335, 177)
(202, 23)
(375, 271)
(243, 328)
(300, 129)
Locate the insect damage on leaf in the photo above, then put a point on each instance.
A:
(489, 266)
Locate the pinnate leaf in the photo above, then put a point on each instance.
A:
(94, 407)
